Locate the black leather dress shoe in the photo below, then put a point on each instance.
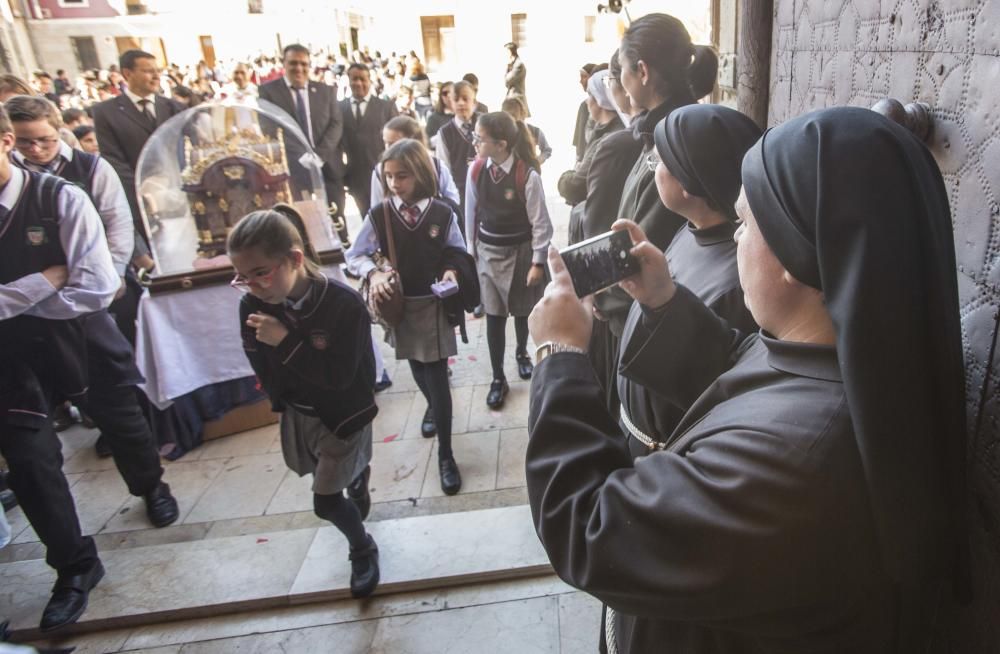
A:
(69, 598)
(161, 507)
(524, 366)
(364, 569)
(427, 426)
(101, 447)
(383, 383)
(451, 478)
(498, 391)
(358, 493)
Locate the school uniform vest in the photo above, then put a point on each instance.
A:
(419, 249)
(460, 151)
(80, 171)
(29, 234)
(502, 213)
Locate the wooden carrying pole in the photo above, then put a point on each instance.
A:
(754, 59)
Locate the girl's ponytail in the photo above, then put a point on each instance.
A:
(524, 147)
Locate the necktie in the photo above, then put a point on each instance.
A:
(497, 173)
(147, 111)
(467, 131)
(300, 113)
(411, 214)
(357, 111)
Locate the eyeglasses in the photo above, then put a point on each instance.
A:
(36, 143)
(652, 161)
(610, 81)
(261, 279)
(477, 139)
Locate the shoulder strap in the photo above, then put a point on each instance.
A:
(477, 169)
(48, 194)
(386, 208)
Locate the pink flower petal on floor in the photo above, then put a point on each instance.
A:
(389, 439)
(472, 357)
(451, 361)
(262, 540)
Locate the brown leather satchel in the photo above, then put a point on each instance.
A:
(387, 313)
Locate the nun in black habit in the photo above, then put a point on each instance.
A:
(808, 501)
(701, 148)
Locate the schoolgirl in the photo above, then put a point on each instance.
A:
(455, 140)
(404, 127)
(514, 105)
(308, 339)
(697, 160)
(428, 247)
(509, 232)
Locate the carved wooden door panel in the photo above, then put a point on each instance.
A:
(944, 53)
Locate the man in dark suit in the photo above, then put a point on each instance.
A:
(364, 117)
(124, 124)
(314, 106)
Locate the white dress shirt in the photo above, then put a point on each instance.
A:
(305, 101)
(136, 99)
(362, 105)
(92, 281)
(538, 213)
(108, 197)
(359, 255)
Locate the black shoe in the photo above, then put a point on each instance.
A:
(479, 311)
(498, 391)
(69, 598)
(101, 447)
(451, 478)
(62, 419)
(161, 507)
(524, 366)
(7, 499)
(364, 569)
(383, 383)
(358, 493)
(427, 426)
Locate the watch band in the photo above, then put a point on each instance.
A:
(552, 347)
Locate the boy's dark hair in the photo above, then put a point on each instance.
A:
(358, 66)
(295, 47)
(471, 79)
(461, 86)
(5, 126)
(81, 131)
(129, 57)
(72, 115)
(29, 108)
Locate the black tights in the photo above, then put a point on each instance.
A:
(432, 379)
(344, 515)
(496, 338)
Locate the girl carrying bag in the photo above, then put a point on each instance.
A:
(387, 313)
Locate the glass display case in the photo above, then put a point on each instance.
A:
(206, 168)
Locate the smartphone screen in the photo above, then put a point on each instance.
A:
(600, 262)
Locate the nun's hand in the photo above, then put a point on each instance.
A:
(653, 286)
(560, 316)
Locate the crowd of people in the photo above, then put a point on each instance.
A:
(734, 449)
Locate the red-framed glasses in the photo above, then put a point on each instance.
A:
(263, 279)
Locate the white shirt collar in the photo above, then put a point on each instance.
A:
(363, 100)
(505, 166)
(136, 98)
(65, 152)
(459, 122)
(12, 191)
(422, 204)
(292, 88)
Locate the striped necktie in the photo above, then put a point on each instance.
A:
(411, 214)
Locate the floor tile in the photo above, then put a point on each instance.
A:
(350, 638)
(393, 412)
(164, 579)
(510, 468)
(188, 481)
(85, 459)
(99, 496)
(579, 623)
(461, 399)
(514, 412)
(243, 488)
(254, 441)
(519, 627)
(476, 455)
(398, 469)
(452, 548)
(99, 643)
(294, 494)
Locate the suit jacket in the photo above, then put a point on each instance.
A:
(363, 142)
(122, 131)
(324, 116)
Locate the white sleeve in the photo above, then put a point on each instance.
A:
(470, 212)
(441, 150)
(448, 187)
(359, 255)
(92, 280)
(112, 205)
(538, 214)
(377, 195)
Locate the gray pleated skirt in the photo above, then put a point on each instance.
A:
(424, 335)
(309, 448)
(503, 274)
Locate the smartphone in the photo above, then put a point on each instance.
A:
(600, 262)
(444, 288)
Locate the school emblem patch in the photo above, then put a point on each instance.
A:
(36, 235)
(508, 195)
(433, 231)
(320, 339)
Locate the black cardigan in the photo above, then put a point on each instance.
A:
(325, 365)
